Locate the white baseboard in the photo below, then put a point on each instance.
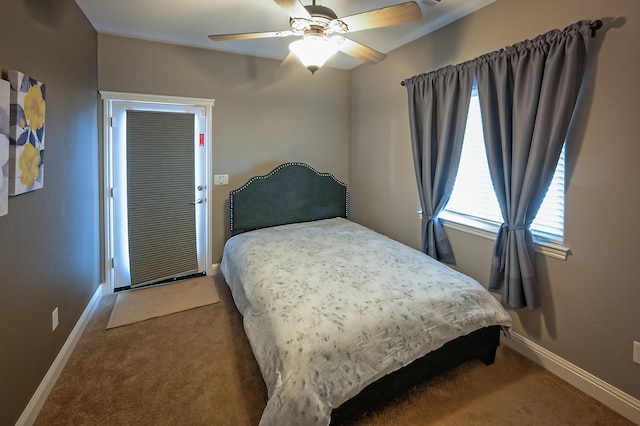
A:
(38, 399)
(612, 397)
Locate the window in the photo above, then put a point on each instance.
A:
(473, 201)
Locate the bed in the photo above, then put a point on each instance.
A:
(340, 317)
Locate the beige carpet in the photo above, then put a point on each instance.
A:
(152, 302)
(196, 368)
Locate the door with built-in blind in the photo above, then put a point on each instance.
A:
(159, 192)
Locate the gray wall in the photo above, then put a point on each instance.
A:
(49, 245)
(263, 115)
(591, 302)
(353, 124)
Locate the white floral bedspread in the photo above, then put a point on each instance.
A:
(331, 306)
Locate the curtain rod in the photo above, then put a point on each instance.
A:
(595, 26)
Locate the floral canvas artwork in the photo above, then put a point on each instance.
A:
(26, 133)
(4, 147)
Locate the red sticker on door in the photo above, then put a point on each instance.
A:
(201, 139)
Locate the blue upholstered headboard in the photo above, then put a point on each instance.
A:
(291, 193)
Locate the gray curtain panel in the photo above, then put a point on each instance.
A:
(438, 108)
(527, 95)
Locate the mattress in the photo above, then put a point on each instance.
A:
(331, 306)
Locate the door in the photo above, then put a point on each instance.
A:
(157, 199)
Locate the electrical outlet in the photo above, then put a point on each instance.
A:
(636, 352)
(54, 319)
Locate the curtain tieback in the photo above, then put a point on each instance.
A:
(514, 227)
(429, 218)
(503, 256)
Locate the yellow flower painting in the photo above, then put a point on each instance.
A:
(34, 108)
(26, 132)
(28, 164)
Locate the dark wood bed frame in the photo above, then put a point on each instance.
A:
(296, 192)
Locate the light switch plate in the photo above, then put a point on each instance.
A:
(220, 179)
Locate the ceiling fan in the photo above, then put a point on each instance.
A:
(322, 31)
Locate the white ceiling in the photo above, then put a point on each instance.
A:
(189, 22)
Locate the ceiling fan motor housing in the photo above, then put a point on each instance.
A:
(323, 21)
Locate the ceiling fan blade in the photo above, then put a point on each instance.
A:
(362, 52)
(294, 8)
(384, 17)
(246, 36)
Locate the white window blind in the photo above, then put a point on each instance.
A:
(474, 197)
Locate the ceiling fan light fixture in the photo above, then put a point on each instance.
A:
(313, 51)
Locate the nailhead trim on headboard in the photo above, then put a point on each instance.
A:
(270, 174)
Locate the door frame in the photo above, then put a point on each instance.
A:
(108, 98)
